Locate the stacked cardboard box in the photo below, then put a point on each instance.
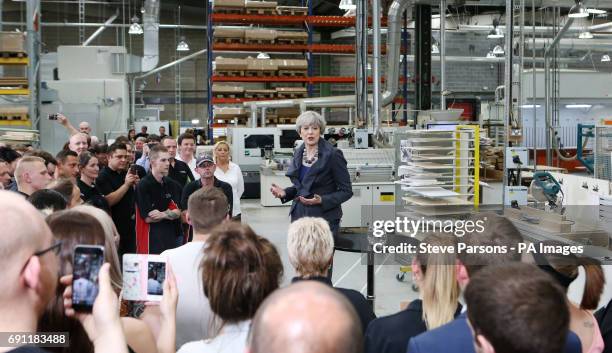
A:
(12, 42)
(229, 112)
(259, 35)
(231, 35)
(290, 37)
(291, 64)
(226, 90)
(261, 65)
(261, 7)
(237, 4)
(222, 63)
(493, 161)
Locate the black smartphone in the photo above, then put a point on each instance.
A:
(133, 169)
(86, 264)
(52, 116)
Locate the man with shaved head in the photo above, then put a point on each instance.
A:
(78, 143)
(306, 317)
(31, 175)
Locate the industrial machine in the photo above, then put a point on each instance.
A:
(545, 188)
(585, 131)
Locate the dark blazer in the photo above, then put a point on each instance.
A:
(328, 178)
(359, 302)
(390, 334)
(456, 337)
(604, 319)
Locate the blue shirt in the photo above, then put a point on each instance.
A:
(303, 171)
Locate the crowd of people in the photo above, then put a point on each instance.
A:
(150, 194)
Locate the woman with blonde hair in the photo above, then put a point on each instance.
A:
(230, 173)
(435, 276)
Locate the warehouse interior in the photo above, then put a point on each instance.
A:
(441, 108)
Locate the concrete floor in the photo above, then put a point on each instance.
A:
(349, 269)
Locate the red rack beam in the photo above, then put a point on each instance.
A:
(322, 21)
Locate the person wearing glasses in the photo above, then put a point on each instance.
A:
(117, 186)
(30, 267)
(205, 167)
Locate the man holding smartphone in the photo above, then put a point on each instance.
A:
(158, 225)
(117, 186)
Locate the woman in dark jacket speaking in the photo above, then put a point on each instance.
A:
(321, 181)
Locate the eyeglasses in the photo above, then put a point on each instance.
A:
(55, 248)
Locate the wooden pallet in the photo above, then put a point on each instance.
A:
(229, 73)
(258, 41)
(15, 116)
(228, 40)
(229, 121)
(229, 9)
(20, 82)
(258, 95)
(292, 95)
(291, 41)
(280, 120)
(13, 54)
(228, 95)
(292, 73)
(292, 10)
(261, 11)
(260, 73)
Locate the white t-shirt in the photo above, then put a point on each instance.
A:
(191, 164)
(231, 339)
(235, 179)
(193, 313)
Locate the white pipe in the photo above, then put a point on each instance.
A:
(442, 54)
(394, 21)
(376, 104)
(95, 34)
(150, 21)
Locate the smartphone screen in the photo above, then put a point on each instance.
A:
(87, 261)
(155, 278)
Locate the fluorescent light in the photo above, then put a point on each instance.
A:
(182, 45)
(195, 121)
(578, 11)
(347, 5)
(578, 106)
(597, 11)
(530, 106)
(585, 35)
(605, 58)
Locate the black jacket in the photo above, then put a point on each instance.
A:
(328, 178)
(390, 334)
(359, 302)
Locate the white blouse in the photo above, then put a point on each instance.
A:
(231, 339)
(235, 179)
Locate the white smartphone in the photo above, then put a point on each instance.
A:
(143, 277)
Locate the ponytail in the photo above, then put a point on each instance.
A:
(594, 282)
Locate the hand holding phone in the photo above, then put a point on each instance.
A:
(133, 169)
(86, 264)
(143, 277)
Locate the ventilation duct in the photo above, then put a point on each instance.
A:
(150, 24)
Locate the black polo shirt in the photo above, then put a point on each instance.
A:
(196, 185)
(92, 196)
(154, 238)
(123, 212)
(180, 173)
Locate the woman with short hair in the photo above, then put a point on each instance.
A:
(311, 247)
(239, 270)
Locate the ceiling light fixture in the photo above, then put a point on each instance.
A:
(263, 56)
(182, 45)
(578, 106)
(605, 58)
(347, 5)
(578, 11)
(490, 55)
(530, 106)
(597, 11)
(195, 121)
(498, 50)
(435, 49)
(496, 32)
(135, 27)
(585, 35)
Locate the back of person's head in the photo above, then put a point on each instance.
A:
(48, 201)
(63, 155)
(207, 208)
(99, 148)
(72, 228)
(111, 239)
(311, 246)
(235, 274)
(46, 156)
(439, 289)
(121, 139)
(564, 269)
(306, 316)
(27, 281)
(497, 233)
(153, 138)
(68, 189)
(9, 154)
(514, 308)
